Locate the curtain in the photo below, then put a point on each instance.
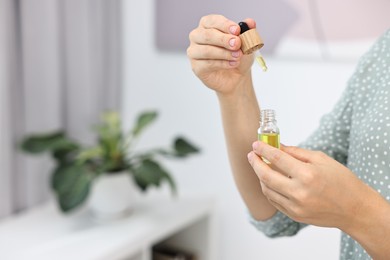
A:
(5, 144)
(62, 69)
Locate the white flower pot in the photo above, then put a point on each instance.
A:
(112, 196)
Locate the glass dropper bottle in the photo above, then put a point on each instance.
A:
(268, 131)
(252, 42)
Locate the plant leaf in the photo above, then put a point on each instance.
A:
(109, 129)
(71, 184)
(89, 154)
(150, 173)
(110, 135)
(46, 142)
(62, 155)
(165, 153)
(171, 183)
(183, 147)
(143, 121)
(112, 119)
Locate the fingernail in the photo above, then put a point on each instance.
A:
(236, 54)
(233, 29)
(250, 157)
(255, 145)
(233, 63)
(232, 41)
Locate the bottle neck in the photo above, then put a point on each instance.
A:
(267, 116)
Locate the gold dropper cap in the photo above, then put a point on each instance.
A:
(250, 41)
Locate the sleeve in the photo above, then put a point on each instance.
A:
(278, 225)
(332, 135)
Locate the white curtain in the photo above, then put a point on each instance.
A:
(5, 144)
(61, 69)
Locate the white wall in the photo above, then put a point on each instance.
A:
(300, 92)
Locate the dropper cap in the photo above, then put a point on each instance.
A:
(251, 42)
(250, 39)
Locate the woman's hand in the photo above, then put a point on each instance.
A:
(215, 54)
(308, 186)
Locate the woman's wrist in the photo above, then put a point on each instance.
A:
(244, 88)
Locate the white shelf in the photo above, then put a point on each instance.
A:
(44, 233)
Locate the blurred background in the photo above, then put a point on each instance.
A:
(64, 62)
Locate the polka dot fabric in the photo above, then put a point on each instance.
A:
(357, 134)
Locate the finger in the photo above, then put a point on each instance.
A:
(297, 152)
(274, 195)
(208, 52)
(220, 23)
(280, 208)
(250, 22)
(214, 37)
(282, 160)
(268, 177)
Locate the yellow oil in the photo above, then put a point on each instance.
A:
(260, 60)
(271, 139)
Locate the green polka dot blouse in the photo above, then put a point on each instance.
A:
(357, 134)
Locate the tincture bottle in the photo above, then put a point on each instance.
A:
(268, 131)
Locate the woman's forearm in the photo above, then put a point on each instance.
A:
(369, 223)
(240, 116)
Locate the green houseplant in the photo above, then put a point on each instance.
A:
(77, 167)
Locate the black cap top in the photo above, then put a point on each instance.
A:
(243, 26)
